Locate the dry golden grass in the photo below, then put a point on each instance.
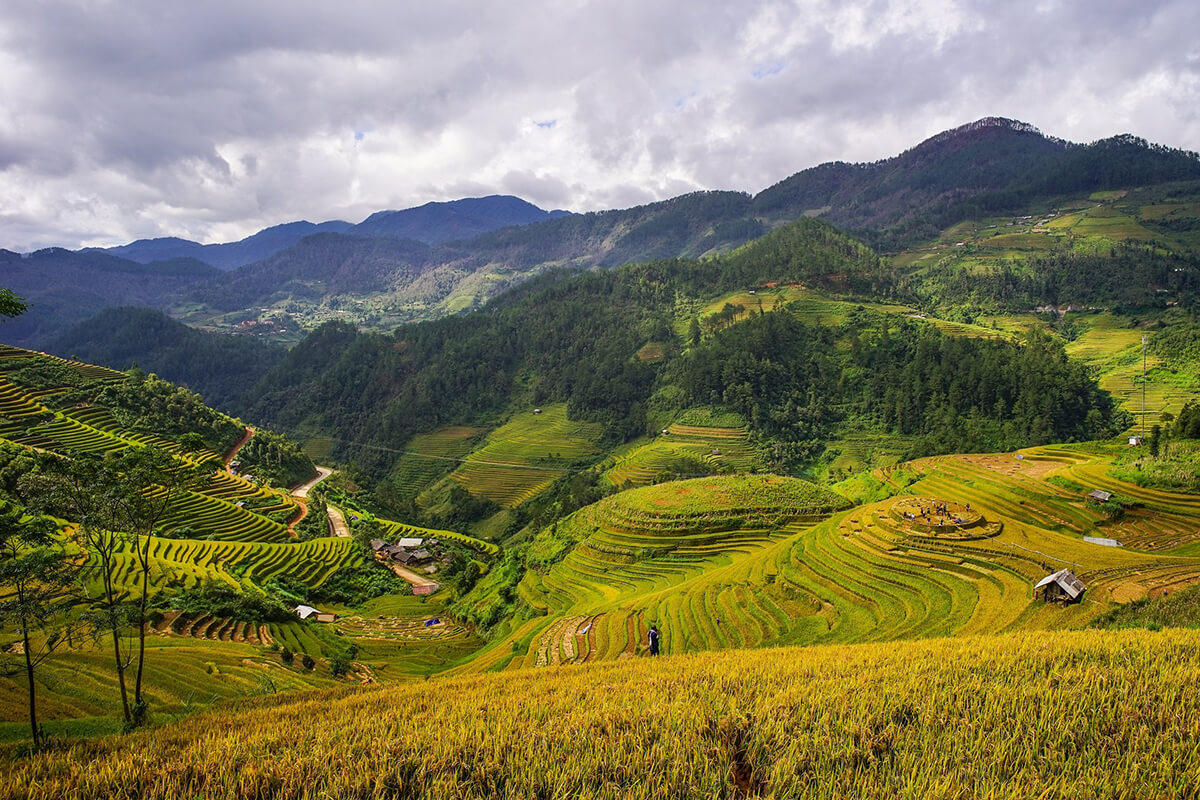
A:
(1109, 714)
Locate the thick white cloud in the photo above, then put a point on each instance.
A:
(211, 120)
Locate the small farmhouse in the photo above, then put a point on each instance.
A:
(394, 552)
(310, 613)
(1099, 496)
(1062, 586)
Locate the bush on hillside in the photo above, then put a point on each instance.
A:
(244, 603)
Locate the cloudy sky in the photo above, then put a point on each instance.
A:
(123, 119)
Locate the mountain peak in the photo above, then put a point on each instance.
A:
(984, 124)
(437, 222)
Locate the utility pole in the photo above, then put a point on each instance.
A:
(1143, 387)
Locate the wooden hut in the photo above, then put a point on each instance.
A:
(308, 612)
(1061, 587)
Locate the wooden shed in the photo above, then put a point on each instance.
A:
(310, 613)
(1061, 587)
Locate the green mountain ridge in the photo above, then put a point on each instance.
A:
(990, 167)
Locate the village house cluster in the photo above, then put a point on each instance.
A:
(409, 552)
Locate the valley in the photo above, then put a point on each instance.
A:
(884, 494)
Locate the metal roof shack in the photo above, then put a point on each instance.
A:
(1062, 586)
(395, 552)
(1099, 495)
(308, 612)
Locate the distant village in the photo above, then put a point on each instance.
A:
(405, 557)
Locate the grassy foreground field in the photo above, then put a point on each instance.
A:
(1019, 716)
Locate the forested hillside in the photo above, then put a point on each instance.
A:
(574, 341)
(221, 367)
(430, 223)
(375, 276)
(63, 288)
(986, 168)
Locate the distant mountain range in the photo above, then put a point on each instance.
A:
(430, 223)
(443, 258)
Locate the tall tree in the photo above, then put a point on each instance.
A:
(153, 481)
(88, 491)
(37, 574)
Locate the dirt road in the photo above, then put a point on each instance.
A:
(338, 521)
(302, 489)
(412, 577)
(232, 454)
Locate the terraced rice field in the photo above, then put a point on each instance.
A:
(1115, 350)
(428, 456)
(396, 530)
(206, 626)
(526, 455)
(815, 309)
(221, 519)
(92, 371)
(1029, 715)
(719, 449)
(183, 675)
(860, 451)
(864, 575)
(184, 563)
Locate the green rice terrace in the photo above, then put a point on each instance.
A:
(229, 530)
(942, 546)
(527, 454)
(698, 441)
(753, 561)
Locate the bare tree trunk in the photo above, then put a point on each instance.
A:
(116, 637)
(114, 627)
(33, 723)
(144, 558)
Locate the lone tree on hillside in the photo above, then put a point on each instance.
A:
(37, 574)
(88, 492)
(119, 502)
(153, 481)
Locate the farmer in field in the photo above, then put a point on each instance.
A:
(653, 636)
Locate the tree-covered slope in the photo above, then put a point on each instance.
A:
(988, 167)
(365, 275)
(575, 341)
(63, 288)
(221, 367)
(457, 219)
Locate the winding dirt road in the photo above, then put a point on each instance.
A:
(413, 578)
(302, 489)
(232, 454)
(300, 493)
(338, 521)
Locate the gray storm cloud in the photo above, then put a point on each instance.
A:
(142, 118)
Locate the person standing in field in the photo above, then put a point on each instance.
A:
(653, 636)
